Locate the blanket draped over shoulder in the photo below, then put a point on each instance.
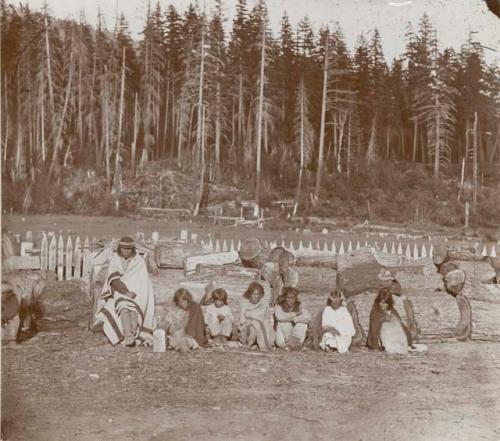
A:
(260, 317)
(377, 319)
(135, 276)
(195, 324)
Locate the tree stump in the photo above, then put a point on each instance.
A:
(253, 253)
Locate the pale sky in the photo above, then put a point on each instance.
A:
(452, 18)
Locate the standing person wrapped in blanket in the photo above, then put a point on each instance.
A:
(337, 327)
(292, 320)
(128, 313)
(219, 318)
(185, 325)
(256, 319)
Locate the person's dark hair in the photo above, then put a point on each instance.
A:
(384, 295)
(286, 292)
(182, 293)
(126, 243)
(220, 294)
(254, 286)
(334, 294)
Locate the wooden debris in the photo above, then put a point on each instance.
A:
(171, 255)
(228, 257)
(15, 263)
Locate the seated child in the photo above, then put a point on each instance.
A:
(185, 325)
(337, 326)
(387, 331)
(256, 320)
(292, 320)
(219, 318)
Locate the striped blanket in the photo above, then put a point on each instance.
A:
(134, 275)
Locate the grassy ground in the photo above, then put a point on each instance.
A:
(73, 385)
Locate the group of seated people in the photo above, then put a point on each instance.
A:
(128, 316)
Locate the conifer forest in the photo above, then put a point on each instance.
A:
(292, 113)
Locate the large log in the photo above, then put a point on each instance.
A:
(225, 258)
(253, 253)
(358, 272)
(316, 280)
(476, 271)
(172, 255)
(317, 261)
(444, 252)
(231, 270)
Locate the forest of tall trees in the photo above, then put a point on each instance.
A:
(295, 106)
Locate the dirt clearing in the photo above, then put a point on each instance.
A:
(74, 385)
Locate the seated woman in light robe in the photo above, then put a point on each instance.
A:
(256, 318)
(292, 320)
(185, 326)
(128, 313)
(337, 326)
(387, 332)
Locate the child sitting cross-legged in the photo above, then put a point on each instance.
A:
(219, 318)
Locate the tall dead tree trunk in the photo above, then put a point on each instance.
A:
(120, 114)
(319, 170)
(260, 117)
(474, 159)
(437, 148)
(200, 133)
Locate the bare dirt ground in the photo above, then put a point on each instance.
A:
(71, 384)
(74, 385)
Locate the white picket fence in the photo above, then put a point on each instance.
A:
(72, 258)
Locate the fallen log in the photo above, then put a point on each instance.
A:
(172, 255)
(15, 263)
(443, 253)
(318, 261)
(228, 257)
(253, 253)
(230, 270)
(476, 271)
(358, 272)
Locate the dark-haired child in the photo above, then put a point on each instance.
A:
(336, 325)
(292, 320)
(219, 318)
(185, 324)
(256, 319)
